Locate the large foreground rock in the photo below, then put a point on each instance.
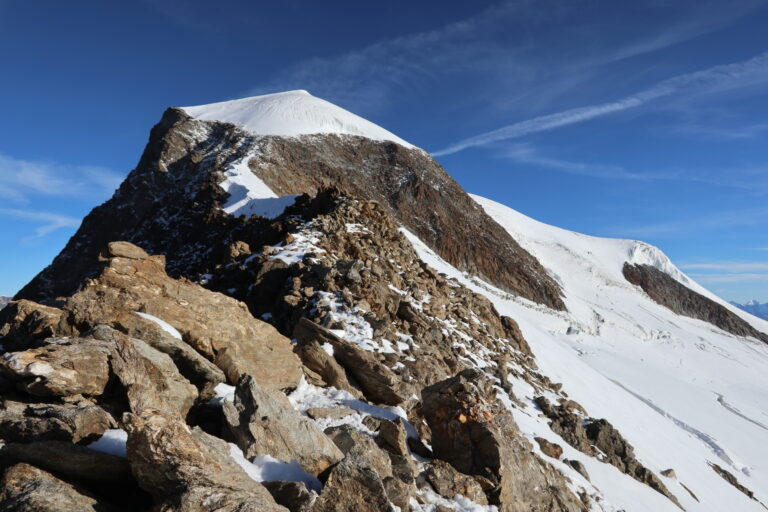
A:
(69, 421)
(189, 471)
(473, 431)
(215, 325)
(263, 422)
(25, 488)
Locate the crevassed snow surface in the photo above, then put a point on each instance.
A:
(291, 114)
(682, 391)
(162, 323)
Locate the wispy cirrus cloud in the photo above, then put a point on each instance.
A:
(47, 222)
(20, 179)
(703, 223)
(729, 266)
(719, 278)
(714, 78)
(498, 55)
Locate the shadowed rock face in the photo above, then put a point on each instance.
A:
(418, 193)
(682, 300)
(170, 205)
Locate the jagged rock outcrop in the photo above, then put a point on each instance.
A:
(598, 438)
(188, 470)
(262, 421)
(671, 294)
(173, 198)
(215, 325)
(474, 433)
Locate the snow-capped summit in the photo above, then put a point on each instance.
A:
(290, 114)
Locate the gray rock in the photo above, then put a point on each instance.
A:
(263, 422)
(448, 482)
(25, 488)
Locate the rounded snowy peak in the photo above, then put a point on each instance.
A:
(290, 114)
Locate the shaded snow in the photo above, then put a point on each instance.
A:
(265, 468)
(112, 442)
(249, 195)
(291, 114)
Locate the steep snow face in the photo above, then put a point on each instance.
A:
(291, 114)
(683, 392)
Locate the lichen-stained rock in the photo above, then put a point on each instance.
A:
(70, 460)
(448, 482)
(263, 422)
(22, 322)
(352, 487)
(376, 380)
(25, 488)
(216, 325)
(63, 367)
(69, 421)
(149, 377)
(188, 470)
(473, 431)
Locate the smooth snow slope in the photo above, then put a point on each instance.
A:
(682, 391)
(291, 114)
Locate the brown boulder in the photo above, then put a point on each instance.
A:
(448, 482)
(352, 487)
(63, 367)
(149, 377)
(473, 431)
(71, 460)
(69, 421)
(263, 422)
(22, 322)
(216, 325)
(25, 488)
(189, 471)
(549, 449)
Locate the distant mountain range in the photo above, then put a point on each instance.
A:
(754, 307)
(4, 301)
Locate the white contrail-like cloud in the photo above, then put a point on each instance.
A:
(711, 77)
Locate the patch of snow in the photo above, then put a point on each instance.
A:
(291, 114)
(112, 442)
(249, 195)
(224, 392)
(162, 323)
(265, 468)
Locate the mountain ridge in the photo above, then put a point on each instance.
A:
(434, 344)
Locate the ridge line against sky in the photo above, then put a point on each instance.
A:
(679, 161)
(708, 77)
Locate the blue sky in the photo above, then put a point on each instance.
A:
(644, 120)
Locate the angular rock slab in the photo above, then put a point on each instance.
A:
(188, 470)
(217, 326)
(473, 431)
(29, 489)
(63, 367)
(263, 422)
